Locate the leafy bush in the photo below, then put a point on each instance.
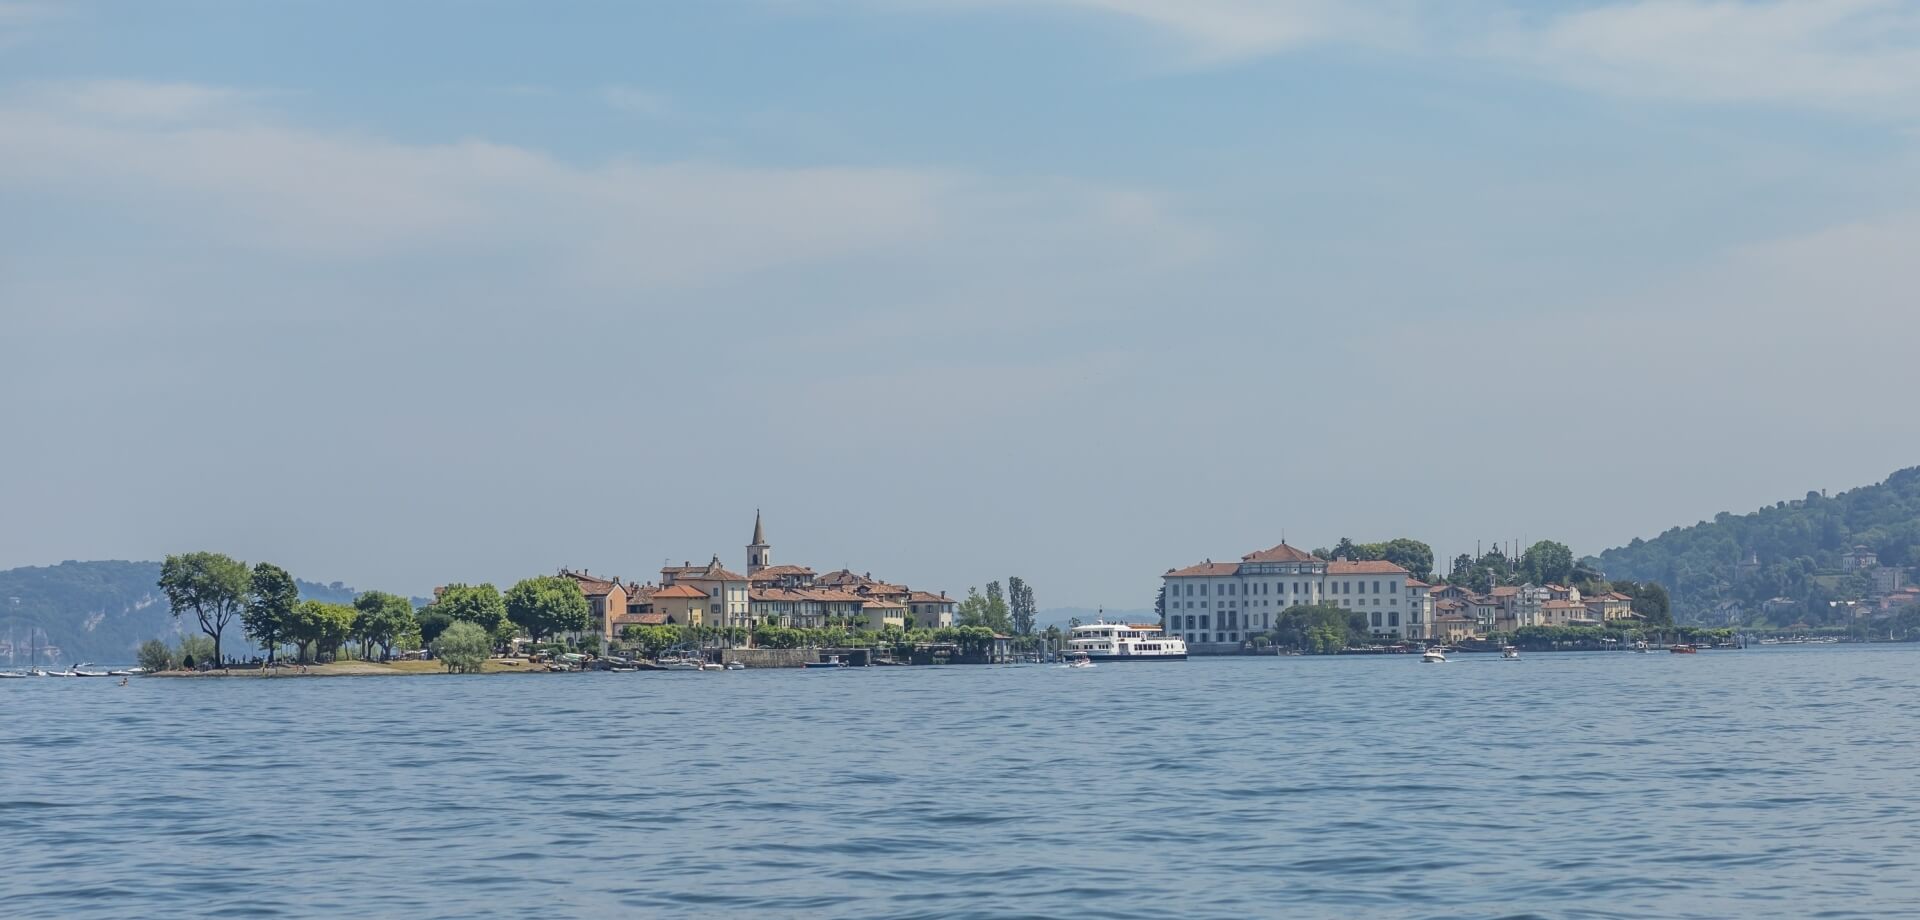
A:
(155, 656)
(463, 647)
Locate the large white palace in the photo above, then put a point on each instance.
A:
(1228, 603)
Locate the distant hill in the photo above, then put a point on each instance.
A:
(99, 611)
(1796, 547)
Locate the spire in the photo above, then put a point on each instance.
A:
(759, 535)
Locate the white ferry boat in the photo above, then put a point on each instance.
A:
(1103, 641)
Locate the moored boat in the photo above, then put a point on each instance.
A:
(1103, 641)
(831, 661)
(1433, 656)
(1682, 649)
(1509, 652)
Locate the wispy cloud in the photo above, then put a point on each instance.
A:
(237, 176)
(1851, 55)
(1839, 54)
(635, 100)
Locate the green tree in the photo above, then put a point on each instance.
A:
(432, 623)
(999, 617)
(651, 641)
(383, 619)
(1414, 556)
(320, 626)
(546, 605)
(463, 647)
(155, 656)
(1547, 563)
(1319, 629)
(477, 604)
(193, 650)
(213, 586)
(972, 610)
(1020, 603)
(269, 610)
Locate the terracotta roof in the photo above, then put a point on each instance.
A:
(1505, 591)
(882, 589)
(843, 578)
(1452, 618)
(1413, 582)
(1281, 553)
(883, 605)
(1369, 567)
(679, 591)
(1205, 569)
(591, 586)
(641, 592)
(922, 597)
(777, 572)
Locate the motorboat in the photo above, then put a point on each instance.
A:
(11, 675)
(1641, 647)
(680, 664)
(1683, 649)
(710, 666)
(832, 661)
(80, 670)
(735, 666)
(1511, 653)
(1434, 656)
(1072, 660)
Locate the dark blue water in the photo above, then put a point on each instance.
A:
(1763, 783)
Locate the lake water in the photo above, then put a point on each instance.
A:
(1779, 782)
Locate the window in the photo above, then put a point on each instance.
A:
(1376, 619)
(1393, 618)
(1376, 587)
(1203, 590)
(1189, 621)
(1203, 621)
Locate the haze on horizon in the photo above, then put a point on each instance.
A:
(1078, 290)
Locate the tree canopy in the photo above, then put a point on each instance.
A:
(480, 605)
(546, 605)
(269, 614)
(383, 619)
(213, 586)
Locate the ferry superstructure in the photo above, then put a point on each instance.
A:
(1103, 641)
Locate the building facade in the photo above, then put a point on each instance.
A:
(1226, 604)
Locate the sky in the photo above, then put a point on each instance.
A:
(403, 294)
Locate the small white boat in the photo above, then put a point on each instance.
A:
(680, 664)
(710, 666)
(1434, 656)
(10, 675)
(1510, 653)
(735, 666)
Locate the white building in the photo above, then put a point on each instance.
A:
(1227, 603)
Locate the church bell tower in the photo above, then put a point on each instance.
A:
(759, 554)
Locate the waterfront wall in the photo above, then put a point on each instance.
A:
(771, 657)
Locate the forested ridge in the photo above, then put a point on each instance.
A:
(1796, 547)
(100, 611)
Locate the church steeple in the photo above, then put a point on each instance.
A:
(759, 554)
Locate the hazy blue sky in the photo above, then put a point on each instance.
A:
(407, 293)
